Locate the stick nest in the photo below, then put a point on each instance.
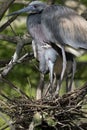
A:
(61, 113)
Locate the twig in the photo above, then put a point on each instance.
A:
(15, 39)
(5, 25)
(14, 87)
(9, 123)
(7, 68)
(15, 57)
(4, 6)
(64, 115)
(23, 58)
(4, 96)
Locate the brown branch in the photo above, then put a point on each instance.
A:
(5, 25)
(14, 39)
(65, 112)
(21, 42)
(4, 6)
(23, 59)
(14, 87)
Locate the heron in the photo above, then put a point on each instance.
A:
(44, 53)
(61, 26)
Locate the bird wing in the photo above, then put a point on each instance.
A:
(64, 26)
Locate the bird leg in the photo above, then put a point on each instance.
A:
(50, 87)
(34, 47)
(50, 66)
(72, 75)
(40, 87)
(64, 63)
(63, 66)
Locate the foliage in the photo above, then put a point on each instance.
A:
(26, 75)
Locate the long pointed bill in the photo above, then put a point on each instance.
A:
(26, 9)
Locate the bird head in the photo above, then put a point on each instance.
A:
(33, 7)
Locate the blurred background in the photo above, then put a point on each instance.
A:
(26, 75)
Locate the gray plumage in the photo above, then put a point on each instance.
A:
(44, 53)
(60, 24)
(65, 26)
(55, 25)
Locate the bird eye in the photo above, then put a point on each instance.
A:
(35, 6)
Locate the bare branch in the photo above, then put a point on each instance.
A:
(14, 39)
(14, 58)
(14, 87)
(5, 25)
(8, 122)
(20, 44)
(4, 6)
(26, 57)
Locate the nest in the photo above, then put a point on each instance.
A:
(61, 113)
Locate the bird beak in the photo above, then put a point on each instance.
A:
(28, 9)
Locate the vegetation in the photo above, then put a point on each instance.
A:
(22, 81)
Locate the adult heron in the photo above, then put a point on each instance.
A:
(43, 52)
(60, 26)
(46, 55)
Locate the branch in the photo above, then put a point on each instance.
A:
(15, 87)
(8, 122)
(6, 24)
(24, 58)
(20, 44)
(4, 6)
(65, 112)
(14, 39)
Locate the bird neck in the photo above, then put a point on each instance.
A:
(34, 19)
